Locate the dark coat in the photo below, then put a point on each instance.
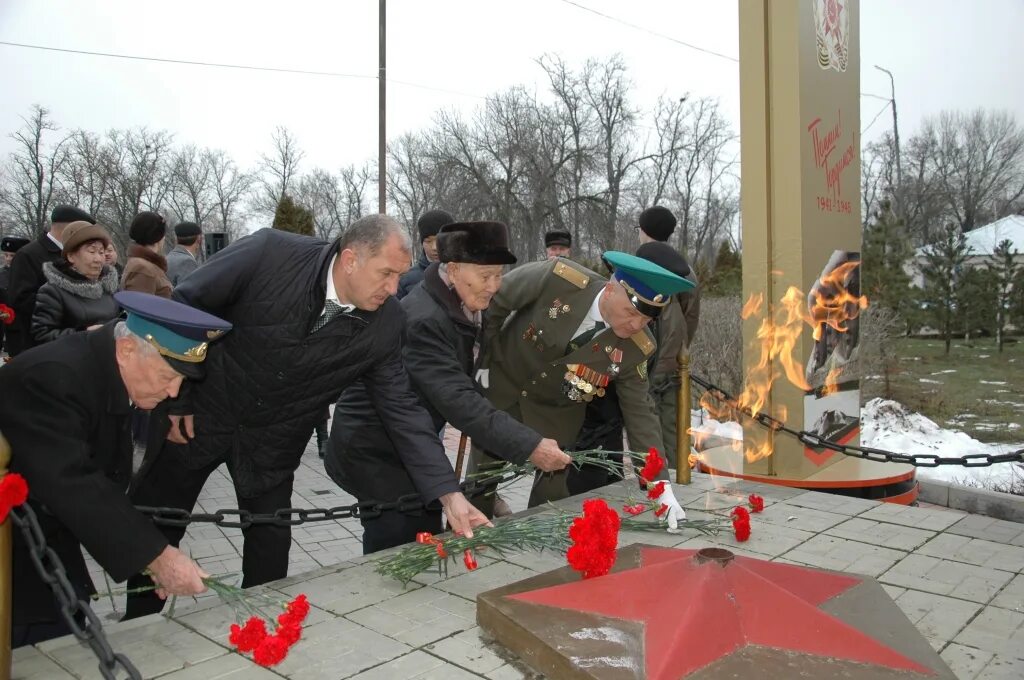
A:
(5, 280)
(269, 380)
(438, 354)
(412, 277)
(69, 302)
(65, 412)
(26, 278)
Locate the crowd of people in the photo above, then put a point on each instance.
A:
(237, 360)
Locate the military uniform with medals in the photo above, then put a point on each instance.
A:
(536, 368)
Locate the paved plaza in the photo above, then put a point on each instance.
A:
(958, 577)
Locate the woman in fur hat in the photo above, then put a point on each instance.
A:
(146, 270)
(79, 290)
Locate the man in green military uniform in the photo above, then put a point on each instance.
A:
(558, 335)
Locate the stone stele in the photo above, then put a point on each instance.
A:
(668, 613)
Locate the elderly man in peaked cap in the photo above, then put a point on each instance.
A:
(27, 274)
(65, 408)
(559, 335)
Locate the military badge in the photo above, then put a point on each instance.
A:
(642, 370)
(556, 308)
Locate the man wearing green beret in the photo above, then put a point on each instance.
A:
(559, 335)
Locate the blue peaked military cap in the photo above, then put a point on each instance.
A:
(181, 334)
(648, 285)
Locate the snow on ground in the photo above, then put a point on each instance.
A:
(890, 426)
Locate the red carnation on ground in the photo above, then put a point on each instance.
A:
(272, 650)
(634, 509)
(654, 493)
(246, 638)
(756, 502)
(13, 492)
(741, 523)
(595, 537)
(653, 465)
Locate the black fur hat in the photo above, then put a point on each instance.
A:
(661, 253)
(658, 222)
(474, 243)
(431, 222)
(558, 238)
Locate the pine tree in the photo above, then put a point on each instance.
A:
(1005, 270)
(886, 250)
(727, 277)
(943, 265)
(290, 216)
(976, 302)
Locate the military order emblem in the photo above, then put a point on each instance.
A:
(832, 28)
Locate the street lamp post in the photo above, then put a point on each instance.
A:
(895, 126)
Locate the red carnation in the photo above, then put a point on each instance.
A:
(299, 606)
(13, 492)
(653, 465)
(741, 523)
(469, 560)
(739, 513)
(271, 650)
(7, 315)
(661, 511)
(246, 638)
(595, 536)
(756, 502)
(634, 509)
(654, 493)
(290, 633)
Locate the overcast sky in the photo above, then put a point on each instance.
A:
(945, 54)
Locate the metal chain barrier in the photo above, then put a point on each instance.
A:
(815, 441)
(287, 517)
(51, 570)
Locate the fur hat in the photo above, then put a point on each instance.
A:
(79, 233)
(147, 228)
(64, 214)
(558, 238)
(12, 244)
(474, 243)
(431, 222)
(658, 222)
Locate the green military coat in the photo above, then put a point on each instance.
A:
(530, 323)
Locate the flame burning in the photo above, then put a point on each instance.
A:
(830, 304)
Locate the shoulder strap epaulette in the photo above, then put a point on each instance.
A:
(644, 342)
(573, 276)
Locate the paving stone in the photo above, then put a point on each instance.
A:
(419, 617)
(154, 644)
(509, 672)
(1003, 668)
(416, 665)
(468, 650)
(470, 584)
(796, 517)
(1012, 596)
(975, 551)
(338, 648)
(996, 630)
(839, 554)
(884, 534)
(939, 618)
(945, 577)
(965, 662)
(989, 528)
(829, 502)
(348, 590)
(231, 666)
(28, 663)
(921, 518)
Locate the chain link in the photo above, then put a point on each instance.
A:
(289, 517)
(816, 441)
(51, 570)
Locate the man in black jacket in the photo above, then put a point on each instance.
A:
(442, 337)
(310, 318)
(65, 409)
(27, 274)
(9, 245)
(427, 225)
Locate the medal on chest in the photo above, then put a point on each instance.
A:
(582, 383)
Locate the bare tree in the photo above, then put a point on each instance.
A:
(979, 162)
(230, 187)
(137, 166)
(191, 194)
(86, 178)
(31, 173)
(278, 171)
